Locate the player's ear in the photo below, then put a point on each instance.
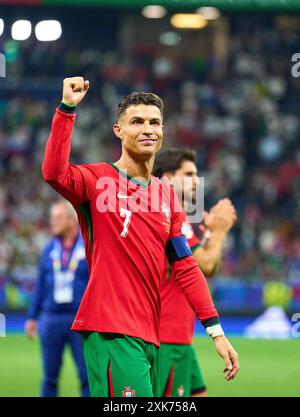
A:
(117, 130)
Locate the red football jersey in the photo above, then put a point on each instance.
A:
(125, 241)
(177, 317)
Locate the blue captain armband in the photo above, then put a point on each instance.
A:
(178, 248)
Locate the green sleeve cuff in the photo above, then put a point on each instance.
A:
(193, 248)
(211, 322)
(66, 108)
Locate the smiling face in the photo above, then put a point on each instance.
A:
(140, 129)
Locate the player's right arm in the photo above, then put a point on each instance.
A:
(66, 178)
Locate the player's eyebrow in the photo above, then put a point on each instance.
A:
(141, 119)
(190, 173)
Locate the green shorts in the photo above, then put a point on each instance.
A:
(180, 374)
(120, 366)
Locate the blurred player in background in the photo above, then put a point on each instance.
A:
(179, 370)
(62, 279)
(126, 247)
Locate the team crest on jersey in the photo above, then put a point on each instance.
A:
(166, 210)
(128, 392)
(180, 391)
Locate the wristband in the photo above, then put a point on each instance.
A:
(66, 108)
(214, 331)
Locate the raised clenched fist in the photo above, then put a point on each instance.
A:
(74, 89)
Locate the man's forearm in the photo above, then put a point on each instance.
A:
(57, 169)
(209, 257)
(192, 282)
(66, 178)
(58, 148)
(36, 305)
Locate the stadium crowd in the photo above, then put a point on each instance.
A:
(242, 119)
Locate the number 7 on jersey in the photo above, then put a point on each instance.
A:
(127, 214)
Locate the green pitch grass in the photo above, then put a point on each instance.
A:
(268, 368)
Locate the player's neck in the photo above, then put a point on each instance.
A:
(69, 237)
(138, 169)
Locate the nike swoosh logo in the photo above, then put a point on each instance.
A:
(124, 196)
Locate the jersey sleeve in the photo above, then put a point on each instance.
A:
(189, 233)
(72, 181)
(177, 216)
(188, 276)
(191, 281)
(194, 243)
(37, 299)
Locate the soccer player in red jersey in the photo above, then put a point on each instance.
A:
(180, 373)
(130, 221)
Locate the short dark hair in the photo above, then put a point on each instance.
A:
(136, 98)
(169, 160)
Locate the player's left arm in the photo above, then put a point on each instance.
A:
(193, 284)
(191, 281)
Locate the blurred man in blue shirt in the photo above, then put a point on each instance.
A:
(62, 279)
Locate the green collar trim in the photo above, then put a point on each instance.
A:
(142, 184)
